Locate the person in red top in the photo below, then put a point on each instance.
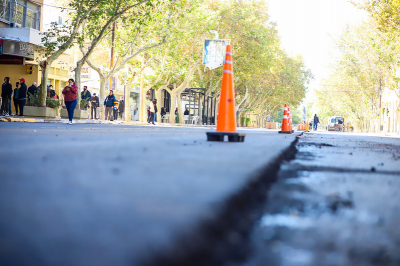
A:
(70, 92)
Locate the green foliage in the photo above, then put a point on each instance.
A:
(245, 121)
(261, 66)
(50, 102)
(33, 100)
(84, 104)
(54, 39)
(367, 62)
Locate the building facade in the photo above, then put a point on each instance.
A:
(21, 22)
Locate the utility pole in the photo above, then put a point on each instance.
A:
(112, 56)
(380, 104)
(126, 96)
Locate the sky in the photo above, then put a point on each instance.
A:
(309, 27)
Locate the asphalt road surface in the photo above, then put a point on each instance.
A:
(147, 195)
(87, 194)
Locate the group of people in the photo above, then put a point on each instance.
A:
(21, 94)
(112, 106)
(18, 96)
(152, 112)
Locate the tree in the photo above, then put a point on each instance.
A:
(365, 63)
(60, 38)
(132, 14)
(261, 68)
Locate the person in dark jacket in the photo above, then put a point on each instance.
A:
(316, 121)
(163, 111)
(15, 98)
(33, 90)
(22, 94)
(109, 104)
(94, 103)
(121, 107)
(155, 110)
(85, 95)
(6, 92)
(70, 92)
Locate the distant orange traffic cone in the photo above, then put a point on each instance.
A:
(226, 125)
(290, 120)
(300, 126)
(285, 122)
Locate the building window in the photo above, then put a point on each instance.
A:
(5, 9)
(18, 14)
(33, 16)
(21, 13)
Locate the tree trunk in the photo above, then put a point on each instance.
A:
(78, 83)
(172, 108)
(180, 109)
(159, 104)
(102, 96)
(127, 109)
(45, 67)
(143, 105)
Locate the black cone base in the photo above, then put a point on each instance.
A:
(285, 132)
(219, 136)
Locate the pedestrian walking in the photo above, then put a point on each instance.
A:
(85, 95)
(148, 113)
(121, 107)
(155, 111)
(316, 121)
(152, 111)
(109, 103)
(15, 98)
(22, 94)
(94, 103)
(70, 93)
(6, 92)
(115, 110)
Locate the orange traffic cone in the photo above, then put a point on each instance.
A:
(226, 125)
(290, 120)
(285, 122)
(300, 127)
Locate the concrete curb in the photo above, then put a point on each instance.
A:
(15, 119)
(76, 121)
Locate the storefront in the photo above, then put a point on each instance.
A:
(17, 61)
